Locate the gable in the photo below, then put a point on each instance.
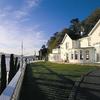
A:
(65, 37)
(94, 28)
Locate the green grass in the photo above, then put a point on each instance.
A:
(51, 81)
(72, 71)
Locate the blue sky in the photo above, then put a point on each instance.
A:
(34, 21)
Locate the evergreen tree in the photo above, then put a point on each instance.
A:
(43, 52)
(91, 20)
(76, 30)
(40, 54)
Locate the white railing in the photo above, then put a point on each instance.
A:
(12, 91)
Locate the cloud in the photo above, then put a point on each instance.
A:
(26, 8)
(13, 32)
(32, 3)
(11, 37)
(20, 14)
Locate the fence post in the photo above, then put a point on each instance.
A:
(3, 74)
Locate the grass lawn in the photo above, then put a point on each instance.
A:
(51, 81)
(72, 71)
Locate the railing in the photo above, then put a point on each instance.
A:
(13, 89)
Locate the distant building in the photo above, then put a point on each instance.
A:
(83, 50)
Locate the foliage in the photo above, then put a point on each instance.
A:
(91, 20)
(12, 68)
(76, 30)
(3, 74)
(43, 52)
(56, 39)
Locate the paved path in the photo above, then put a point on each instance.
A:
(89, 88)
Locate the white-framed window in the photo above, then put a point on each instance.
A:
(81, 55)
(76, 55)
(67, 58)
(97, 57)
(67, 45)
(87, 54)
(71, 56)
(89, 41)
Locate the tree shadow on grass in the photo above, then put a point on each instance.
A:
(89, 89)
(42, 83)
(30, 90)
(90, 94)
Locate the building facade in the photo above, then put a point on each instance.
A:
(83, 50)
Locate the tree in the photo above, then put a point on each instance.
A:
(91, 20)
(40, 54)
(76, 30)
(43, 52)
(75, 26)
(12, 69)
(51, 43)
(3, 74)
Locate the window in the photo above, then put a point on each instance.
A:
(89, 41)
(81, 56)
(97, 57)
(76, 55)
(66, 45)
(71, 56)
(67, 59)
(87, 54)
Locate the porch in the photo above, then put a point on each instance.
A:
(81, 55)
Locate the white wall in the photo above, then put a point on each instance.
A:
(78, 60)
(63, 47)
(57, 50)
(95, 35)
(54, 57)
(95, 42)
(84, 42)
(75, 44)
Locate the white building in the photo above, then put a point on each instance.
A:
(83, 50)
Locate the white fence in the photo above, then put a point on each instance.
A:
(13, 89)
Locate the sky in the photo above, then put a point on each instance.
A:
(34, 21)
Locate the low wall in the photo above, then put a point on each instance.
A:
(13, 89)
